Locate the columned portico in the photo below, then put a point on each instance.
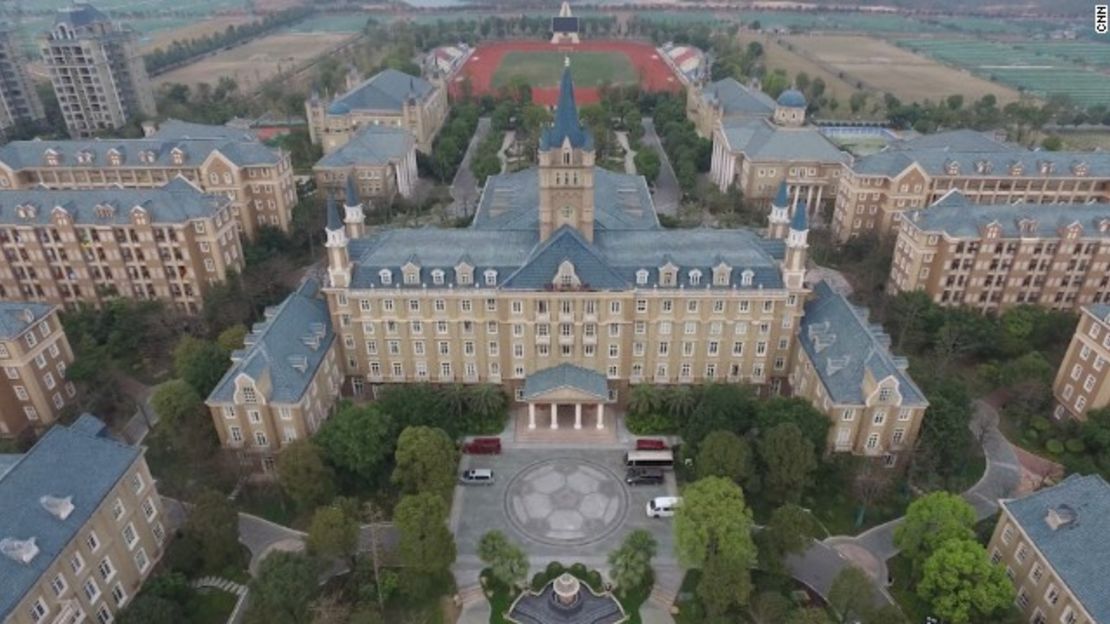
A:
(564, 390)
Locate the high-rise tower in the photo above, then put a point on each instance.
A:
(566, 168)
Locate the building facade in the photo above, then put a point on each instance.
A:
(19, 102)
(66, 247)
(725, 100)
(98, 73)
(82, 530)
(1054, 548)
(258, 180)
(377, 164)
(282, 385)
(846, 370)
(993, 257)
(34, 353)
(875, 192)
(389, 98)
(1083, 381)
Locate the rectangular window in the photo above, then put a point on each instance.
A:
(58, 584)
(107, 571)
(92, 541)
(92, 591)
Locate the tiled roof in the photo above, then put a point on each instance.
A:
(288, 347)
(28, 154)
(1078, 549)
(1101, 311)
(566, 244)
(372, 146)
(959, 217)
(844, 347)
(792, 98)
(759, 139)
(17, 316)
(176, 130)
(975, 154)
(566, 125)
(176, 201)
(385, 91)
(566, 376)
(954, 141)
(78, 461)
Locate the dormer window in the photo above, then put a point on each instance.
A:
(668, 275)
(566, 157)
(177, 156)
(146, 156)
(52, 158)
(721, 274)
(566, 277)
(983, 166)
(385, 276)
(746, 277)
(1080, 169)
(1047, 167)
(491, 277)
(437, 277)
(1027, 226)
(411, 274)
(1016, 168)
(105, 211)
(138, 215)
(1104, 225)
(464, 274)
(249, 395)
(26, 211)
(695, 277)
(84, 157)
(115, 158)
(641, 277)
(952, 168)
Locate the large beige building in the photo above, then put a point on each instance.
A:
(19, 102)
(376, 165)
(1054, 548)
(725, 100)
(281, 386)
(258, 180)
(82, 527)
(65, 247)
(389, 98)
(992, 257)
(34, 354)
(875, 191)
(98, 73)
(1083, 379)
(846, 370)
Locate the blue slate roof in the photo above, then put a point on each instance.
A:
(782, 197)
(566, 244)
(566, 376)
(372, 146)
(296, 331)
(176, 201)
(388, 90)
(1100, 311)
(566, 125)
(17, 316)
(79, 15)
(1078, 550)
(77, 461)
(955, 141)
(792, 98)
(959, 217)
(969, 154)
(175, 130)
(759, 139)
(334, 222)
(798, 220)
(844, 347)
(735, 99)
(27, 154)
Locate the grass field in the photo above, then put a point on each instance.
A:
(331, 23)
(779, 57)
(889, 69)
(543, 69)
(164, 37)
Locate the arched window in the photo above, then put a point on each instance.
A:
(641, 277)
(385, 276)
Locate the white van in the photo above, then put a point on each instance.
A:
(477, 476)
(663, 506)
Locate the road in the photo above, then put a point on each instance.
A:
(464, 188)
(667, 192)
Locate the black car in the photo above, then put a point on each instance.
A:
(643, 476)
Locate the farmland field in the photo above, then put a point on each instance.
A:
(812, 20)
(164, 37)
(331, 23)
(887, 68)
(779, 57)
(1081, 52)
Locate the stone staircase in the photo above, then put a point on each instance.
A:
(662, 597)
(222, 584)
(469, 594)
(565, 434)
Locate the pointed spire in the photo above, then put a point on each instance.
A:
(782, 198)
(566, 126)
(352, 193)
(334, 223)
(798, 222)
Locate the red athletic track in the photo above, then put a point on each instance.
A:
(655, 74)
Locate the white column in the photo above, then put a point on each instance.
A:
(554, 415)
(797, 196)
(820, 189)
(600, 415)
(809, 197)
(577, 415)
(531, 415)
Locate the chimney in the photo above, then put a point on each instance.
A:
(1061, 516)
(23, 551)
(149, 128)
(60, 508)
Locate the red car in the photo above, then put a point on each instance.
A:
(483, 446)
(650, 444)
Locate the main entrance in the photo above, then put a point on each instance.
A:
(565, 397)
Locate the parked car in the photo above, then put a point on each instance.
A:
(663, 506)
(643, 476)
(477, 476)
(650, 444)
(483, 446)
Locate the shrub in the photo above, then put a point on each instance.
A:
(1031, 435)
(1040, 423)
(650, 424)
(1075, 445)
(1054, 446)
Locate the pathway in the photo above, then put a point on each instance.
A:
(222, 584)
(506, 143)
(262, 537)
(667, 192)
(145, 417)
(629, 155)
(464, 188)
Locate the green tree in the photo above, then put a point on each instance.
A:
(507, 561)
(148, 608)
(724, 454)
(1052, 143)
(181, 414)
(777, 410)
(713, 519)
(725, 583)
(645, 399)
(931, 521)
(213, 524)
(283, 590)
(720, 407)
(789, 530)
(357, 439)
(425, 543)
(200, 363)
(962, 585)
(425, 461)
(630, 564)
(851, 594)
(487, 406)
(770, 607)
(333, 533)
(304, 476)
(789, 461)
(808, 616)
(647, 163)
(232, 338)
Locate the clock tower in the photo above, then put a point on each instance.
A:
(566, 169)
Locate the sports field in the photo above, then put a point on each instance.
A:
(543, 69)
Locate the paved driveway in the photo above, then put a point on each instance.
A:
(667, 192)
(464, 188)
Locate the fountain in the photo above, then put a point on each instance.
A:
(566, 600)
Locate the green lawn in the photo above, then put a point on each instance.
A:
(543, 69)
(208, 606)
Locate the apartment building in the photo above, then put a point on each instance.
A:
(875, 191)
(64, 247)
(758, 154)
(258, 180)
(96, 68)
(282, 385)
(377, 164)
(34, 353)
(1054, 547)
(992, 257)
(725, 100)
(82, 528)
(846, 370)
(389, 98)
(1082, 381)
(19, 102)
